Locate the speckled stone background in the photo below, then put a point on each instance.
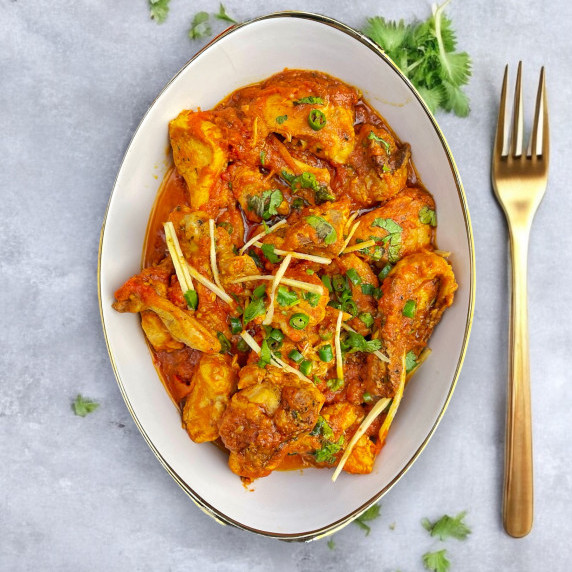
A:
(77, 493)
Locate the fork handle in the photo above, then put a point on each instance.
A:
(518, 481)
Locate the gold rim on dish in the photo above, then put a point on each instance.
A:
(220, 517)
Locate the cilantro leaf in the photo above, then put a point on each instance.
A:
(312, 298)
(200, 26)
(329, 450)
(425, 53)
(281, 118)
(436, 561)
(82, 406)
(324, 229)
(159, 10)
(308, 180)
(253, 310)
(370, 514)
(265, 355)
(268, 251)
(448, 527)
(331, 544)
(266, 203)
(392, 242)
(286, 297)
(222, 15)
(410, 363)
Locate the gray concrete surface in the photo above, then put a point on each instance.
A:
(87, 493)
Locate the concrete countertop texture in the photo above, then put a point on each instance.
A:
(87, 493)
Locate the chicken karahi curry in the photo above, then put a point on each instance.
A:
(291, 280)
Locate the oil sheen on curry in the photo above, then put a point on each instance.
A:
(291, 281)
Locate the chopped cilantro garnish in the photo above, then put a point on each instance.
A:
(222, 15)
(324, 229)
(393, 237)
(266, 203)
(448, 527)
(281, 118)
(377, 139)
(265, 354)
(200, 26)
(254, 309)
(286, 297)
(159, 10)
(83, 406)
(312, 298)
(410, 361)
(268, 251)
(436, 561)
(370, 514)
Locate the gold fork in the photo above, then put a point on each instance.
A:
(519, 179)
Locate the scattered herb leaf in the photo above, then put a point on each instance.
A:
(370, 514)
(222, 15)
(281, 118)
(83, 406)
(310, 99)
(448, 527)
(268, 251)
(428, 216)
(254, 309)
(200, 26)
(324, 229)
(159, 10)
(436, 561)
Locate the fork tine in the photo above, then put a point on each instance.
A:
(517, 117)
(540, 122)
(501, 127)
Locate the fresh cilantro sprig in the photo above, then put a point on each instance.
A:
(448, 527)
(82, 406)
(159, 10)
(426, 53)
(370, 514)
(436, 561)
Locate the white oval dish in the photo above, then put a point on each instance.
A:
(283, 505)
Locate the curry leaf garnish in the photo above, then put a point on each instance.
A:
(428, 216)
(200, 26)
(222, 15)
(370, 514)
(425, 53)
(310, 99)
(436, 561)
(266, 203)
(254, 309)
(324, 229)
(159, 10)
(83, 406)
(448, 527)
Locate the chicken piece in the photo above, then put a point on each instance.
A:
(415, 294)
(362, 457)
(264, 416)
(283, 106)
(318, 230)
(377, 169)
(143, 292)
(402, 226)
(307, 303)
(307, 179)
(260, 198)
(157, 334)
(213, 383)
(199, 153)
